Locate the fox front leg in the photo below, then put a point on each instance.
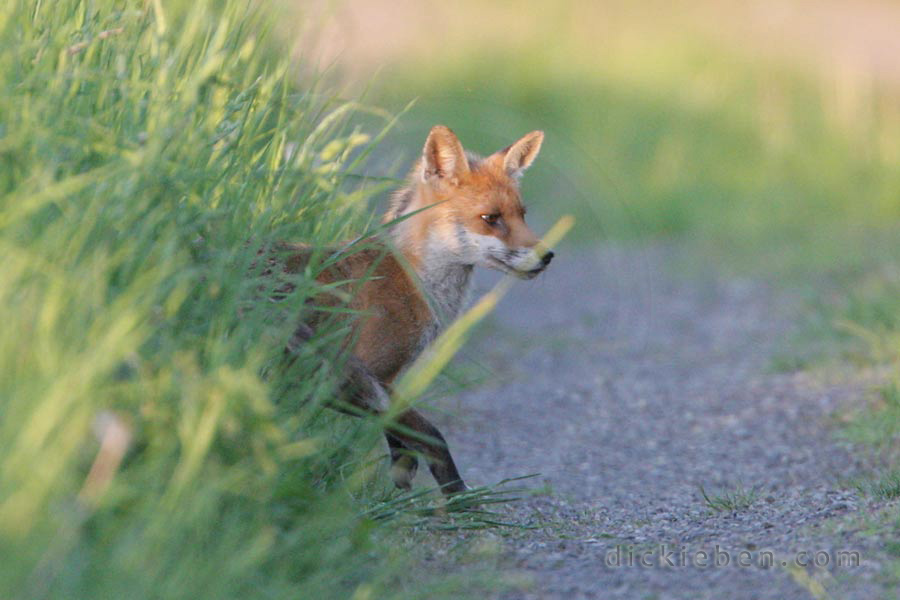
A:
(361, 389)
(415, 432)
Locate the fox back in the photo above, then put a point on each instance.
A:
(392, 312)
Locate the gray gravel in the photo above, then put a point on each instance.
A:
(629, 388)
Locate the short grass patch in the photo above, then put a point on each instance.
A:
(886, 487)
(734, 500)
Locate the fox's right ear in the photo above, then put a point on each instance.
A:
(443, 156)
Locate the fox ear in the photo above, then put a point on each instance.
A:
(520, 155)
(443, 156)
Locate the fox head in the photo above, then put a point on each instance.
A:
(468, 210)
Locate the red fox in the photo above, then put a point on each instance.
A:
(460, 211)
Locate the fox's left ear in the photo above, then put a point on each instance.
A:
(520, 155)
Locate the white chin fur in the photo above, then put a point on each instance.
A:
(497, 265)
(524, 263)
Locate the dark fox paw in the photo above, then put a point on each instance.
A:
(455, 487)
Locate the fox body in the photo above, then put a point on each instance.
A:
(456, 212)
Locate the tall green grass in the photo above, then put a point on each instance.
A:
(147, 150)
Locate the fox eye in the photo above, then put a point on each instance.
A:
(491, 219)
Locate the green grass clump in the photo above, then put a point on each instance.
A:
(878, 424)
(887, 487)
(147, 150)
(734, 500)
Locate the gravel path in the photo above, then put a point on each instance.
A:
(628, 389)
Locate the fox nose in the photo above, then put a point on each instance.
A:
(548, 257)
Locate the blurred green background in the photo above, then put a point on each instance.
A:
(150, 448)
(768, 131)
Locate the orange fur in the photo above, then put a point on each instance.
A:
(458, 210)
(392, 311)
